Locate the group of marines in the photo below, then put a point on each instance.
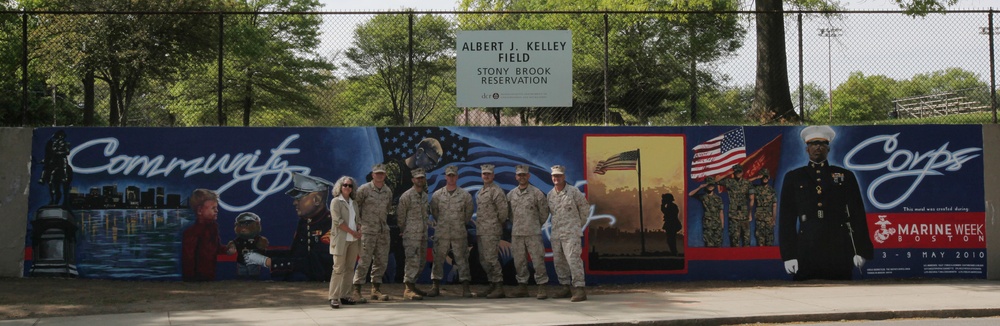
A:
(451, 207)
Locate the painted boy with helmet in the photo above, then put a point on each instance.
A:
(248, 239)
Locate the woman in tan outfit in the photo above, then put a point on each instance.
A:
(345, 241)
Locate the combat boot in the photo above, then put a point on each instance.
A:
(541, 293)
(435, 289)
(377, 293)
(410, 294)
(419, 291)
(497, 291)
(563, 293)
(579, 294)
(356, 295)
(489, 290)
(522, 291)
(466, 292)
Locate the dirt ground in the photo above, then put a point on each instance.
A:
(50, 297)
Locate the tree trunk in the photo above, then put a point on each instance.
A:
(247, 99)
(772, 99)
(113, 115)
(496, 115)
(129, 91)
(88, 98)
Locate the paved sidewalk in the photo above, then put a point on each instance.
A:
(797, 302)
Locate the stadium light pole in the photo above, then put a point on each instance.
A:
(991, 31)
(829, 34)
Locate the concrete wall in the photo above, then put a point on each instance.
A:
(15, 178)
(991, 180)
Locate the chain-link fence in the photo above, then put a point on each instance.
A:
(398, 68)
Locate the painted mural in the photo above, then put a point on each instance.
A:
(666, 203)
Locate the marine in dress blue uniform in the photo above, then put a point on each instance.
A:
(823, 232)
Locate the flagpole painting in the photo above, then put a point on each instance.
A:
(625, 161)
(656, 161)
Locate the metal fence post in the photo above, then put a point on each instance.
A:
(802, 96)
(409, 72)
(221, 117)
(606, 68)
(24, 69)
(993, 79)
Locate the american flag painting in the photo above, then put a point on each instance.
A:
(718, 155)
(621, 161)
(462, 151)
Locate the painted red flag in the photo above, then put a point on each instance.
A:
(768, 157)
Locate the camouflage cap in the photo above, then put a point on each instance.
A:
(522, 169)
(710, 181)
(737, 168)
(378, 168)
(764, 173)
(418, 173)
(487, 168)
(558, 169)
(306, 184)
(451, 169)
(247, 217)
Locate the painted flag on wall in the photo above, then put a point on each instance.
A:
(465, 153)
(765, 157)
(718, 155)
(621, 161)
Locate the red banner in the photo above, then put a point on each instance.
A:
(928, 230)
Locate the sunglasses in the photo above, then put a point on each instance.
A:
(348, 185)
(823, 143)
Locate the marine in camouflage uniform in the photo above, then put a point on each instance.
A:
(492, 213)
(711, 225)
(739, 207)
(570, 211)
(375, 201)
(412, 211)
(451, 207)
(529, 210)
(765, 201)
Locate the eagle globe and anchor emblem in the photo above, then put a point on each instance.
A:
(883, 233)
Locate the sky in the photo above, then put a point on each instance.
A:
(896, 46)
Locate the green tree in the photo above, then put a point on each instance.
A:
(726, 105)
(379, 60)
(861, 98)
(951, 80)
(10, 66)
(771, 94)
(653, 69)
(128, 52)
(271, 66)
(50, 97)
(815, 98)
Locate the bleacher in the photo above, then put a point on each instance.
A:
(934, 105)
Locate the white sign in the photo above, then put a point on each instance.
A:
(514, 68)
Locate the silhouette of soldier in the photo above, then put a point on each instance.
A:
(56, 171)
